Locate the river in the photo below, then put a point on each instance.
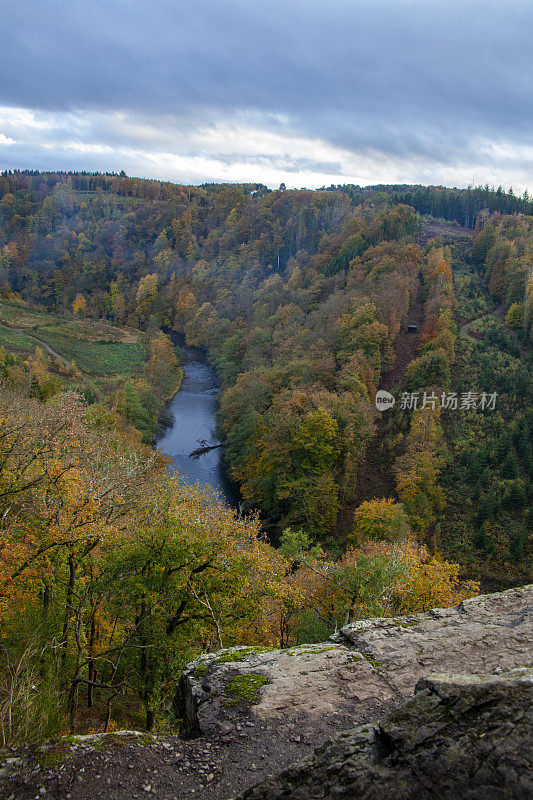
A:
(193, 410)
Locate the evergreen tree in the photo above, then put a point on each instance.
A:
(509, 467)
(517, 545)
(514, 496)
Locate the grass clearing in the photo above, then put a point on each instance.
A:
(16, 342)
(98, 358)
(98, 348)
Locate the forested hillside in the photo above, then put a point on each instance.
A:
(113, 572)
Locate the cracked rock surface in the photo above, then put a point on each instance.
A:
(369, 664)
(468, 737)
(486, 633)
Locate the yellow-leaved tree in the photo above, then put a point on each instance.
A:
(79, 306)
(381, 519)
(146, 295)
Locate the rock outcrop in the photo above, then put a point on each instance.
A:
(370, 665)
(459, 737)
(315, 684)
(252, 713)
(484, 634)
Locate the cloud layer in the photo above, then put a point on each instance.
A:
(308, 92)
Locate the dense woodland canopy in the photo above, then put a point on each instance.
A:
(113, 572)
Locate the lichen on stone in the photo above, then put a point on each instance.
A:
(205, 663)
(371, 660)
(241, 654)
(244, 688)
(308, 649)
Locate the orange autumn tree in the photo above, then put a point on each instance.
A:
(438, 260)
(118, 572)
(444, 269)
(375, 578)
(79, 306)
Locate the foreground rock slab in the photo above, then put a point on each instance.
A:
(320, 686)
(484, 634)
(368, 666)
(459, 737)
(251, 713)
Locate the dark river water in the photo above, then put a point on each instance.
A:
(193, 410)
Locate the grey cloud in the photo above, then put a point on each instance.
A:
(405, 78)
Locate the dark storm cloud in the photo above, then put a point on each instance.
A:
(402, 78)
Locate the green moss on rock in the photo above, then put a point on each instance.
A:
(52, 756)
(241, 654)
(244, 688)
(371, 660)
(205, 663)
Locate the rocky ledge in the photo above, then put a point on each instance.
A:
(468, 737)
(249, 713)
(368, 666)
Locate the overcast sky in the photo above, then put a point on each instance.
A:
(308, 92)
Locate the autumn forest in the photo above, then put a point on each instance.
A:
(114, 571)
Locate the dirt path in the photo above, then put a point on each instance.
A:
(42, 344)
(464, 329)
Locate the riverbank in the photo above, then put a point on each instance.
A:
(177, 386)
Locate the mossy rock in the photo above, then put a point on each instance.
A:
(238, 654)
(353, 661)
(371, 660)
(402, 624)
(244, 688)
(52, 755)
(308, 650)
(241, 654)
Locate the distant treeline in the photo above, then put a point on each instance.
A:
(460, 205)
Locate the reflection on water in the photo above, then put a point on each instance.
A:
(193, 409)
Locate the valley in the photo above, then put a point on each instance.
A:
(255, 327)
(266, 400)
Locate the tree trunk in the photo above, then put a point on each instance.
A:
(92, 672)
(68, 604)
